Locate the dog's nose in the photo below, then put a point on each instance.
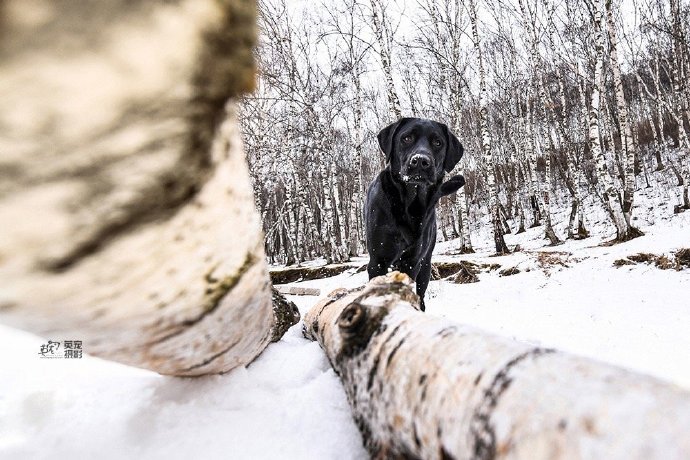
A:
(420, 161)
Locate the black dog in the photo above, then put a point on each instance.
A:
(400, 209)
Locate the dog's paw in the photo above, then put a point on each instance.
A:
(452, 185)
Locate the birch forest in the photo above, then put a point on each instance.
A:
(564, 108)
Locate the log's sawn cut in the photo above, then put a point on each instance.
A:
(421, 386)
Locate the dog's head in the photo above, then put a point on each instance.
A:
(419, 150)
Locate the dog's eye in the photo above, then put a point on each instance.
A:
(407, 139)
(436, 142)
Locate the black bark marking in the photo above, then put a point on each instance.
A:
(335, 298)
(372, 371)
(479, 377)
(395, 350)
(445, 455)
(212, 299)
(417, 442)
(212, 357)
(446, 331)
(391, 335)
(482, 431)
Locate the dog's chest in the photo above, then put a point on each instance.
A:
(412, 221)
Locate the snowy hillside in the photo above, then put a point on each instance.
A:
(289, 403)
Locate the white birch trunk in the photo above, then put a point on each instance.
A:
(134, 229)
(356, 246)
(461, 196)
(608, 193)
(544, 187)
(499, 242)
(627, 143)
(383, 37)
(680, 83)
(421, 386)
(311, 231)
(576, 223)
(338, 212)
(532, 156)
(657, 128)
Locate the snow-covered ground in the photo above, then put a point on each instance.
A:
(289, 403)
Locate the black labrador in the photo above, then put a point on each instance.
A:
(400, 208)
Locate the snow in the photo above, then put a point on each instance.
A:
(289, 403)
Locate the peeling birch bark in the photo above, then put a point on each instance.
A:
(421, 386)
(130, 224)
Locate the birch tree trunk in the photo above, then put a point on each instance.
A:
(421, 386)
(529, 160)
(328, 227)
(680, 84)
(356, 233)
(461, 198)
(338, 213)
(576, 223)
(132, 226)
(499, 241)
(383, 37)
(608, 192)
(544, 187)
(627, 143)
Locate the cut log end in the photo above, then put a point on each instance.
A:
(285, 315)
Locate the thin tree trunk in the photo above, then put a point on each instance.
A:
(530, 162)
(421, 386)
(608, 193)
(343, 253)
(572, 172)
(544, 187)
(357, 188)
(680, 83)
(499, 241)
(383, 37)
(461, 199)
(625, 128)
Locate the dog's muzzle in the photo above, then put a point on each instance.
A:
(419, 168)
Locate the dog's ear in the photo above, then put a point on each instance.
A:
(386, 136)
(454, 151)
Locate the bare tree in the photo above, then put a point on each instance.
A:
(494, 210)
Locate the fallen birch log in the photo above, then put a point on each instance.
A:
(296, 290)
(423, 387)
(128, 219)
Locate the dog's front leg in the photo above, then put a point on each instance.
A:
(377, 267)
